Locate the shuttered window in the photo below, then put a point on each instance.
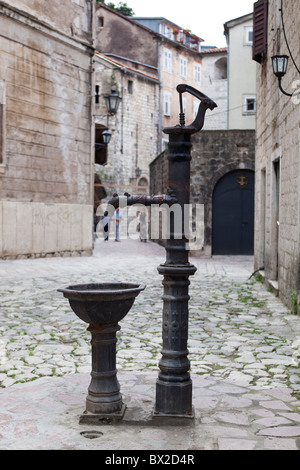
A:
(2, 121)
(260, 30)
(1, 132)
(167, 60)
(167, 103)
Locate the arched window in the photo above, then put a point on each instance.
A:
(221, 69)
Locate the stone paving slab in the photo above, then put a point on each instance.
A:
(244, 350)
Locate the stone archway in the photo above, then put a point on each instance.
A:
(143, 185)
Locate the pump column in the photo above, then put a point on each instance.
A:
(174, 384)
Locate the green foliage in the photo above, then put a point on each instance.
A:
(294, 302)
(122, 7)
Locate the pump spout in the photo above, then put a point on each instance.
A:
(129, 200)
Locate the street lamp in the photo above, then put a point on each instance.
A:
(112, 102)
(138, 172)
(280, 63)
(106, 136)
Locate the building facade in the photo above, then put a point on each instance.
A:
(179, 61)
(214, 84)
(159, 48)
(277, 225)
(123, 164)
(241, 73)
(223, 153)
(46, 141)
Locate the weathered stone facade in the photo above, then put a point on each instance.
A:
(241, 73)
(214, 84)
(46, 171)
(214, 154)
(134, 140)
(161, 55)
(277, 240)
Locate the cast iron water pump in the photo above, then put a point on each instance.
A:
(174, 384)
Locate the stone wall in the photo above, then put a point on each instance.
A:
(277, 249)
(37, 229)
(214, 153)
(45, 88)
(133, 41)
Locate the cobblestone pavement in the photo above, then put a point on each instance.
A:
(244, 350)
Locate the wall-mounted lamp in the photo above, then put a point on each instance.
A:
(106, 136)
(138, 172)
(112, 102)
(280, 63)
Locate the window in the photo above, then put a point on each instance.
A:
(2, 122)
(167, 60)
(165, 30)
(187, 40)
(100, 147)
(1, 132)
(197, 73)
(183, 67)
(249, 105)
(100, 21)
(130, 87)
(196, 105)
(260, 30)
(220, 69)
(248, 36)
(184, 106)
(165, 143)
(167, 103)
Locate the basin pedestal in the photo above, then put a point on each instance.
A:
(104, 390)
(102, 306)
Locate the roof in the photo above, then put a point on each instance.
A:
(214, 50)
(155, 18)
(236, 21)
(121, 65)
(160, 19)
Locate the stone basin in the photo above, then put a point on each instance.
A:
(102, 306)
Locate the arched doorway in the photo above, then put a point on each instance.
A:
(143, 186)
(233, 214)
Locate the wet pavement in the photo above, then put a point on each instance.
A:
(244, 349)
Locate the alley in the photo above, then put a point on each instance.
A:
(244, 349)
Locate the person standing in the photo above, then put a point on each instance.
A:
(143, 223)
(118, 217)
(105, 221)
